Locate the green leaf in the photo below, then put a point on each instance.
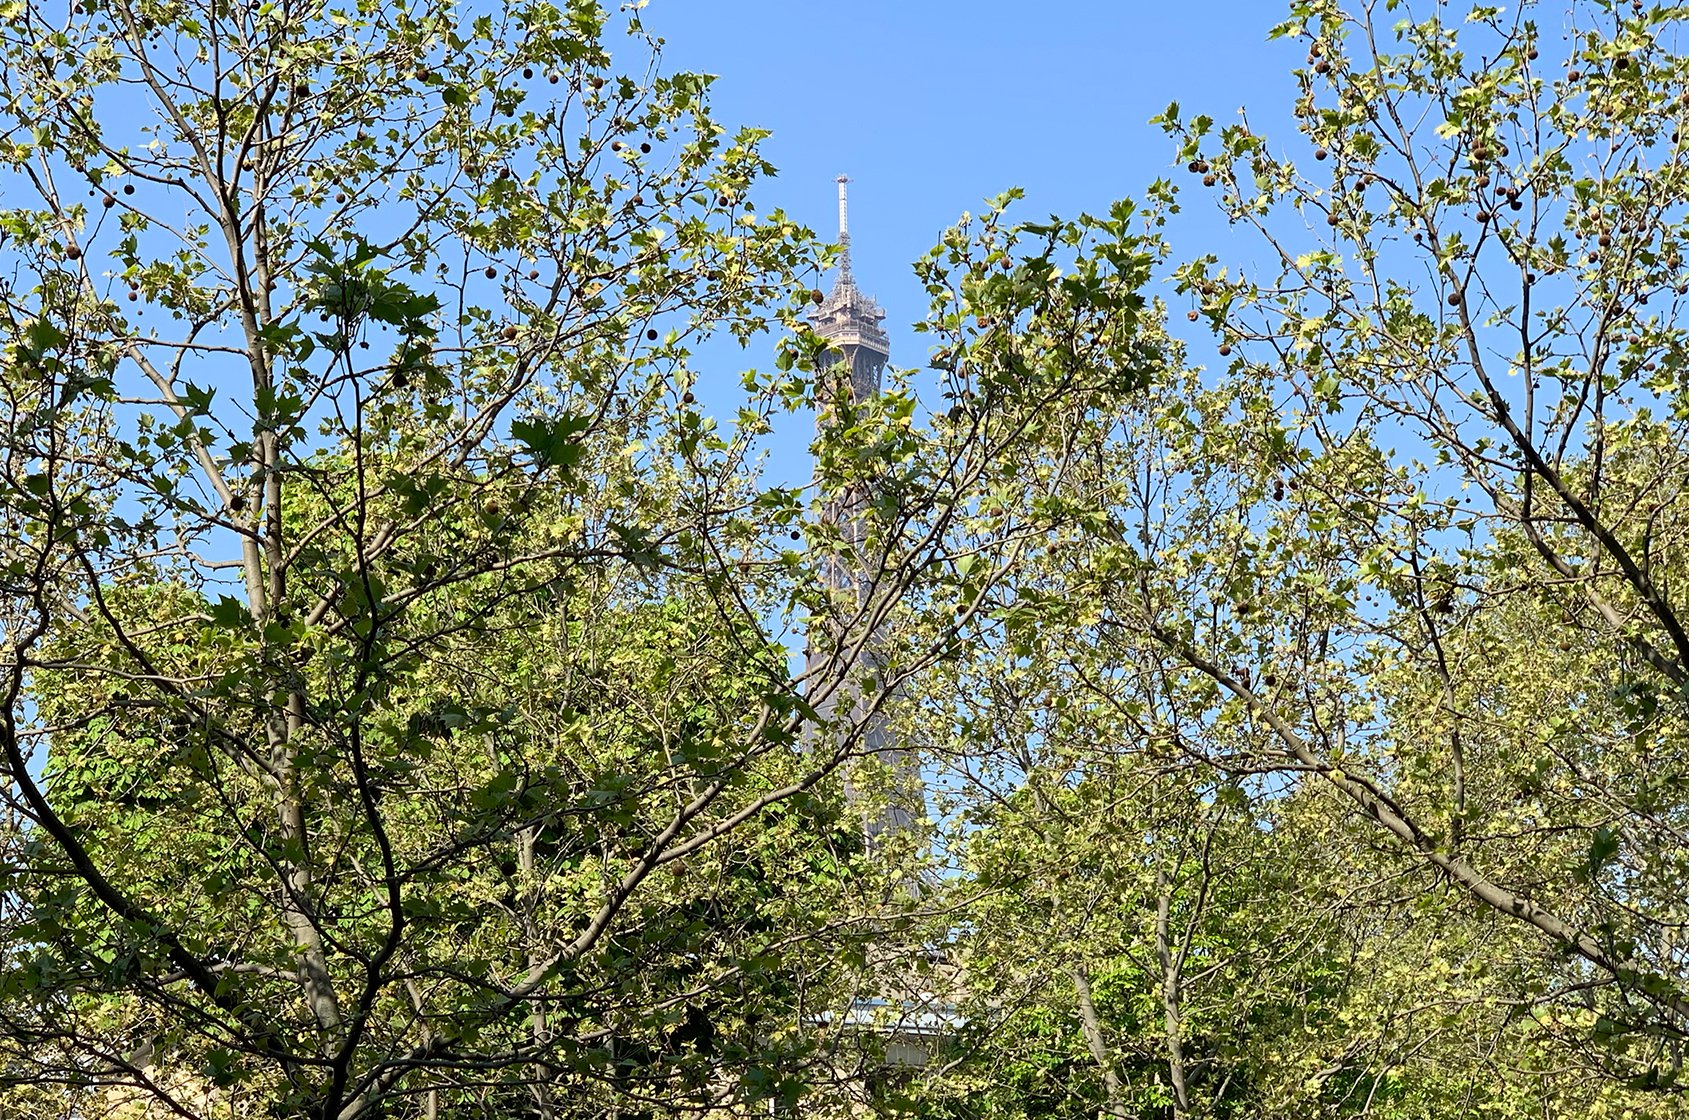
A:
(553, 443)
(231, 614)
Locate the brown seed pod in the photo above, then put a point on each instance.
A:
(1320, 153)
(1225, 350)
(1191, 315)
(508, 333)
(72, 253)
(1454, 299)
(688, 398)
(129, 188)
(646, 148)
(815, 296)
(108, 202)
(491, 272)
(533, 274)
(1573, 75)
(1322, 67)
(651, 334)
(527, 71)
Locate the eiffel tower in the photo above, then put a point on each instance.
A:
(896, 1006)
(852, 365)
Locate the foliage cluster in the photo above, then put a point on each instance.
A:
(396, 623)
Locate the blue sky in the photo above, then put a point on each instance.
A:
(932, 106)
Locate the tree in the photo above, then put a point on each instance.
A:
(398, 716)
(1412, 540)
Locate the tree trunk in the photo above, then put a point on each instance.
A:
(1170, 991)
(1112, 1084)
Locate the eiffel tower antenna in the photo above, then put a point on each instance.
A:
(845, 276)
